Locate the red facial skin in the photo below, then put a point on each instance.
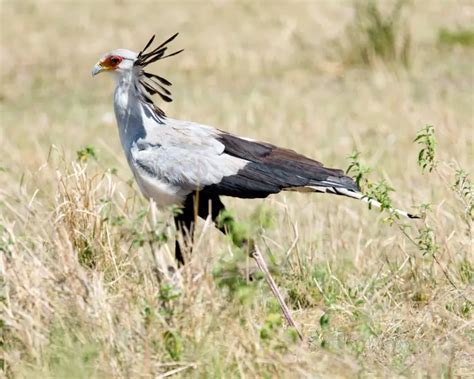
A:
(111, 62)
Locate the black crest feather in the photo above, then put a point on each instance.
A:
(150, 84)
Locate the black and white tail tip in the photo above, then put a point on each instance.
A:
(362, 197)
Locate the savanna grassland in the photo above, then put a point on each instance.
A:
(85, 291)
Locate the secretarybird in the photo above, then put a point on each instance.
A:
(191, 165)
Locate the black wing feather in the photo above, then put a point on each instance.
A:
(272, 169)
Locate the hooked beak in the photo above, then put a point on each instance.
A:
(97, 69)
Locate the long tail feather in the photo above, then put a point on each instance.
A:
(359, 196)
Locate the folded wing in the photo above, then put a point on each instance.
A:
(271, 169)
(197, 157)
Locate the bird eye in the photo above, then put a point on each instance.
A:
(115, 60)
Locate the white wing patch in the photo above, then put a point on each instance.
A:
(163, 193)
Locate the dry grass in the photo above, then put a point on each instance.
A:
(84, 293)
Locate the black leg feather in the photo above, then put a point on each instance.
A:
(196, 204)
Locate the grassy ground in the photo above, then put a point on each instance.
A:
(81, 252)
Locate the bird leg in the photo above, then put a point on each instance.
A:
(262, 265)
(227, 225)
(196, 204)
(184, 222)
(202, 205)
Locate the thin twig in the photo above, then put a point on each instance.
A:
(176, 370)
(262, 265)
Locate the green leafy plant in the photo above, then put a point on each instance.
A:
(173, 344)
(86, 153)
(168, 293)
(379, 191)
(426, 241)
(272, 324)
(242, 234)
(239, 232)
(324, 324)
(230, 274)
(427, 155)
(358, 170)
(464, 187)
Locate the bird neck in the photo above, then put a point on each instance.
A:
(128, 110)
(123, 93)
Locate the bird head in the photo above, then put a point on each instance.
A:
(118, 61)
(124, 63)
(123, 60)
